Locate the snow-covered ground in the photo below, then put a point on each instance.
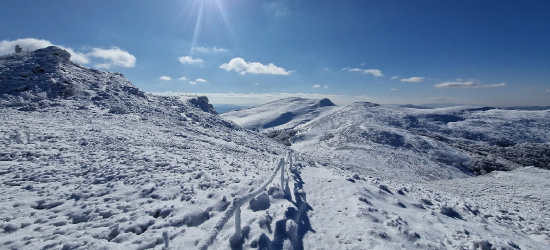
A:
(87, 161)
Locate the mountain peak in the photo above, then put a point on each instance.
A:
(35, 78)
(280, 114)
(53, 53)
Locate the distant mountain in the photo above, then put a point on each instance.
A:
(281, 114)
(426, 143)
(224, 108)
(414, 106)
(529, 108)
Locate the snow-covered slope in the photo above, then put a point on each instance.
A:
(105, 166)
(281, 114)
(423, 144)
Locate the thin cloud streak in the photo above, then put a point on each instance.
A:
(467, 85)
(209, 50)
(413, 79)
(374, 72)
(190, 60)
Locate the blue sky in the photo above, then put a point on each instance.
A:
(494, 52)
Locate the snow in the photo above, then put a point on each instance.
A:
(88, 161)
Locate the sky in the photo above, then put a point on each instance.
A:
(243, 52)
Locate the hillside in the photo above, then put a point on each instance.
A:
(88, 161)
(281, 114)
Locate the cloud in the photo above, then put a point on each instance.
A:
(530, 88)
(190, 60)
(77, 57)
(316, 86)
(183, 78)
(374, 72)
(325, 87)
(165, 78)
(200, 80)
(31, 44)
(327, 70)
(468, 84)
(256, 84)
(242, 67)
(278, 8)
(394, 77)
(413, 79)
(114, 57)
(495, 85)
(548, 91)
(393, 89)
(191, 82)
(7, 46)
(209, 50)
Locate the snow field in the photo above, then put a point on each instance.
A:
(78, 179)
(362, 213)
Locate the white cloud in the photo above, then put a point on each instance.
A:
(209, 50)
(394, 77)
(530, 88)
(191, 82)
(7, 46)
(165, 78)
(316, 86)
(468, 84)
(256, 84)
(362, 64)
(413, 79)
(77, 57)
(200, 80)
(190, 60)
(374, 72)
(393, 89)
(242, 67)
(459, 80)
(327, 70)
(495, 85)
(183, 78)
(114, 57)
(325, 86)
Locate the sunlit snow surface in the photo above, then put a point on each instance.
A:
(87, 161)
